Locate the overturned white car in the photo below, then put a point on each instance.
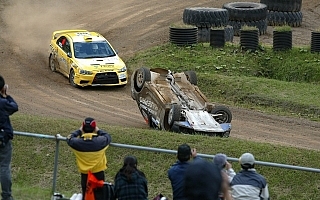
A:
(173, 102)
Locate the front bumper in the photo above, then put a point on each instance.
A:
(102, 79)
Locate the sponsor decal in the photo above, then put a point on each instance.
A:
(148, 105)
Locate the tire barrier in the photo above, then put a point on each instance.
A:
(315, 42)
(203, 34)
(206, 17)
(217, 38)
(283, 6)
(228, 33)
(183, 36)
(249, 40)
(246, 11)
(262, 26)
(293, 19)
(282, 40)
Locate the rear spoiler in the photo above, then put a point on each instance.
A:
(57, 33)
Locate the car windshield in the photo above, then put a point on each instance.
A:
(92, 50)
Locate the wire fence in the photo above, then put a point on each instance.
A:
(59, 138)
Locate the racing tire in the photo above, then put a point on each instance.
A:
(191, 77)
(246, 11)
(52, 63)
(71, 79)
(283, 6)
(225, 114)
(262, 25)
(174, 114)
(293, 19)
(141, 76)
(205, 17)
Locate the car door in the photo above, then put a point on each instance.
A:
(62, 56)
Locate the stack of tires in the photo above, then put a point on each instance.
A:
(247, 13)
(284, 12)
(205, 18)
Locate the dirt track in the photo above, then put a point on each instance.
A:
(130, 25)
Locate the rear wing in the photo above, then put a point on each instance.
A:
(57, 33)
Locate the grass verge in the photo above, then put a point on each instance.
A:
(33, 159)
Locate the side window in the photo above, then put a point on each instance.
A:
(67, 48)
(64, 44)
(61, 41)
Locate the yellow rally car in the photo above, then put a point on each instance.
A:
(86, 58)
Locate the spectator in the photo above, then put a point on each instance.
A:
(130, 183)
(221, 161)
(7, 107)
(89, 145)
(248, 184)
(177, 170)
(205, 180)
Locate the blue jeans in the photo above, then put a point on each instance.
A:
(5, 171)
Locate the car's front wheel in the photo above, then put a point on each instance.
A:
(52, 63)
(223, 114)
(71, 79)
(142, 75)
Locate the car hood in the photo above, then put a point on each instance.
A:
(100, 63)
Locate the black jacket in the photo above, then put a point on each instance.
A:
(7, 107)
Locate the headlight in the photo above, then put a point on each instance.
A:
(123, 69)
(85, 72)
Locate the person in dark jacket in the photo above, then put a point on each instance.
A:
(205, 180)
(7, 107)
(89, 145)
(177, 170)
(130, 183)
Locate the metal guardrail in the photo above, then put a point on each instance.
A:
(58, 138)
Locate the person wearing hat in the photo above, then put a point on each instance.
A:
(248, 183)
(89, 144)
(177, 170)
(221, 161)
(7, 107)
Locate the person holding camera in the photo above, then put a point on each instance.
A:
(7, 107)
(89, 144)
(177, 171)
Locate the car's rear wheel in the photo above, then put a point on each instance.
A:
(191, 77)
(52, 63)
(174, 114)
(224, 114)
(71, 79)
(142, 75)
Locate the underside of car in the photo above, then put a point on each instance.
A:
(173, 102)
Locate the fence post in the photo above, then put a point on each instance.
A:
(55, 169)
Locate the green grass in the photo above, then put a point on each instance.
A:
(33, 159)
(285, 83)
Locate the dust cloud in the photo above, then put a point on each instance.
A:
(28, 24)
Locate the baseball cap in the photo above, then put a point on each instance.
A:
(220, 160)
(88, 125)
(184, 152)
(247, 158)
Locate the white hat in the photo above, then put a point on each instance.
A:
(247, 158)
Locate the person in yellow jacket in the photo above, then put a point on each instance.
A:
(89, 145)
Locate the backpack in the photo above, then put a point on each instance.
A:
(108, 191)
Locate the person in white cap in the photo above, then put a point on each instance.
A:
(248, 183)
